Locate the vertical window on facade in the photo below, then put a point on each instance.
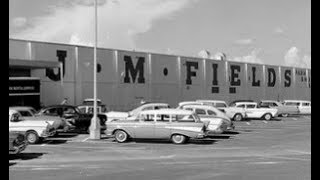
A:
(215, 90)
(232, 90)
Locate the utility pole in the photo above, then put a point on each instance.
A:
(95, 121)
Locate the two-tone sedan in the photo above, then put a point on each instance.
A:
(175, 125)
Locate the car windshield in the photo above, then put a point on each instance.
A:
(221, 105)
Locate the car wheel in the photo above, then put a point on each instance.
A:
(285, 115)
(121, 136)
(32, 137)
(267, 117)
(178, 139)
(238, 117)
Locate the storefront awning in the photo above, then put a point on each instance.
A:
(33, 64)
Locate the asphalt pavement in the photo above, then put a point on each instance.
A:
(255, 150)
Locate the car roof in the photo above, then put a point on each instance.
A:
(21, 107)
(188, 102)
(90, 99)
(167, 111)
(12, 111)
(246, 103)
(199, 106)
(296, 101)
(213, 101)
(59, 106)
(154, 103)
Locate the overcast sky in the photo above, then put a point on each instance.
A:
(274, 32)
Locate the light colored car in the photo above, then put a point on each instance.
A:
(303, 106)
(34, 130)
(283, 110)
(29, 113)
(131, 115)
(219, 122)
(233, 113)
(252, 110)
(173, 124)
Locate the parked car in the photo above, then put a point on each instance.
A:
(234, 113)
(303, 106)
(17, 142)
(173, 124)
(252, 110)
(131, 115)
(283, 110)
(35, 131)
(73, 115)
(88, 104)
(219, 122)
(242, 100)
(29, 113)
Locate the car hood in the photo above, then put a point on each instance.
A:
(117, 114)
(32, 123)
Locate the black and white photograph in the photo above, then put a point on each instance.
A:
(160, 89)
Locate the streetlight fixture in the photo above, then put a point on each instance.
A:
(95, 121)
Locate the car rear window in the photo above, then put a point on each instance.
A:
(182, 118)
(221, 105)
(25, 113)
(200, 112)
(211, 112)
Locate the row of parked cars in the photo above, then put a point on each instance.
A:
(190, 119)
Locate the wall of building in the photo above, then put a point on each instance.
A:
(127, 77)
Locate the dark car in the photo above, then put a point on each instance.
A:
(80, 121)
(17, 142)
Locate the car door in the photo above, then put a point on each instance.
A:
(162, 126)
(305, 108)
(145, 127)
(251, 111)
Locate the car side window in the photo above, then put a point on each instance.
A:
(200, 112)
(163, 118)
(211, 112)
(148, 118)
(241, 106)
(52, 111)
(68, 110)
(305, 104)
(189, 109)
(250, 106)
(25, 113)
(220, 105)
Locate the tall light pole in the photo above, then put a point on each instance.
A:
(95, 121)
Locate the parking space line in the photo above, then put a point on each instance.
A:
(265, 122)
(248, 123)
(295, 119)
(85, 139)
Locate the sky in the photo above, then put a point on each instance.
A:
(275, 32)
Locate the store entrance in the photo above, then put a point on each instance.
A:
(30, 100)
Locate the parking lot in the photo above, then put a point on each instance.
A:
(256, 149)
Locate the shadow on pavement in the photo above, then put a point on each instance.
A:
(218, 137)
(55, 141)
(231, 132)
(191, 141)
(66, 135)
(25, 156)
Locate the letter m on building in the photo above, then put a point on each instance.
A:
(134, 71)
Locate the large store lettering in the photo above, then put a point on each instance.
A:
(235, 81)
(134, 71)
(271, 77)
(254, 82)
(287, 77)
(190, 73)
(50, 72)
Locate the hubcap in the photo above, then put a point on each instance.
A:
(32, 138)
(177, 138)
(121, 136)
(268, 117)
(238, 117)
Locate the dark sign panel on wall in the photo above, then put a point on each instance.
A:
(24, 87)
